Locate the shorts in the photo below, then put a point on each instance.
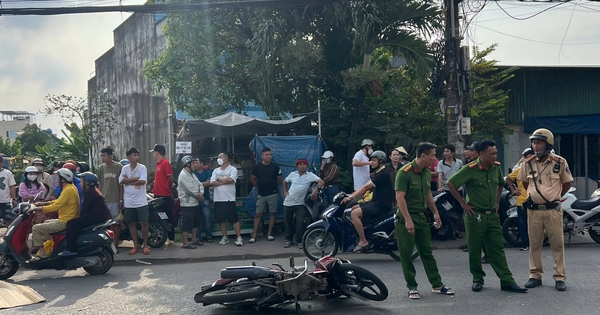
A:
(372, 210)
(263, 201)
(192, 218)
(113, 208)
(226, 211)
(132, 215)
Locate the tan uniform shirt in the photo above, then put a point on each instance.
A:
(549, 182)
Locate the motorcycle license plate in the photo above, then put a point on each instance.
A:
(163, 216)
(510, 211)
(114, 249)
(447, 205)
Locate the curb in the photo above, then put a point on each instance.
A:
(162, 261)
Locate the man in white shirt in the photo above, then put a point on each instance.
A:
(135, 203)
(360, 164)
(223, 180)
(293, 204)
(8, 194)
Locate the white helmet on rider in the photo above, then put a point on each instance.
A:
(66, 174)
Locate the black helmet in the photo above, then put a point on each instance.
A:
(89, 178)
(379, 155)
(527, 152)
(83, 167)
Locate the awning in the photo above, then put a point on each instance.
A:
(565, 125)
(232, 124)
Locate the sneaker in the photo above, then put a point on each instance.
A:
(224, 240)
(171, 243)
(252, 240)
(239, 241)
(287, 244)
(525, 248)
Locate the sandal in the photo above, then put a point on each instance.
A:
(414, 294)
(252, 240)
(360, 248)
(445, 290)
(133, 251)
(459, 235)
(146, 251)
(35, 259)
(270, 238)
(187, 246)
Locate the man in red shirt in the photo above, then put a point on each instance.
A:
(163, 181)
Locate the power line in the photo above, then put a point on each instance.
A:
(155, 8)
(536, 41)
(531, 16)
(560, 51)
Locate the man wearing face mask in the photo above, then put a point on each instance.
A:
(223, 180)
(43, 177)
(360, 163)
(330, 173)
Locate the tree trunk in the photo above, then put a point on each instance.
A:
(360, 101)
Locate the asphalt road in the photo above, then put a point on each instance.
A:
(169, 289)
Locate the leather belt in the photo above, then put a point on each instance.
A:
(547, 206)
(484, 211)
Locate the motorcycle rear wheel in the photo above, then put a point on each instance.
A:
(8, 268)
(353, 275)
(510, 231)
(106, 262)
(317, 242)
(234, 294)
(157, 235)
(595, 234)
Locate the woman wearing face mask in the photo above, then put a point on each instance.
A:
(330, 173)
(30, 186)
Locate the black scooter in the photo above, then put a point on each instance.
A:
(95, 248)
(159, 225)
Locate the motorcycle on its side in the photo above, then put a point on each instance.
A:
(259, 287)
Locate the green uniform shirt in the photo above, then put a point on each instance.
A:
(416, 184)
(481, 184)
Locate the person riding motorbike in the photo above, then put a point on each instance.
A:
(93, 211)
(67, 206)
(30, 187)
(76, 181)
(382, 201)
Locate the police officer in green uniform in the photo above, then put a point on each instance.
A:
(413, 195)
(484, 182)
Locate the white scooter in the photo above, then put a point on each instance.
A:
(578, 216)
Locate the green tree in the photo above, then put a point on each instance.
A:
(31, 137)
(488, 98)
(10, 149)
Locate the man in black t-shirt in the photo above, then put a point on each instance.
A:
(382, 201)
(266, 177)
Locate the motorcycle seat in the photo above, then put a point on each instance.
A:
(587, 204)
(367, 222)
(86, 229)
(250, 272)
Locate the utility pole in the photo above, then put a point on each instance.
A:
(455, 74)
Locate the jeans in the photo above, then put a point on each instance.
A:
(205, 206)
(522, 213)
(330, 192)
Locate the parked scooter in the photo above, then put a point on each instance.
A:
(447, 214)
(335, 231)
(95, 248)
(259, 287)
(315, 207)
(578, 216)
(158, 225)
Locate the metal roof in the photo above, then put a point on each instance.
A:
(15, 112)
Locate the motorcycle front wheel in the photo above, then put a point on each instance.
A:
(233, 294)
(510, 231)
(317, 243)
(594, 232)
(8, 268)
(355, 280)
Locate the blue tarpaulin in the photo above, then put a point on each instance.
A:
(286, 150)
(565, 125)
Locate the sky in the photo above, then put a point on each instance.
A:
(41, 55)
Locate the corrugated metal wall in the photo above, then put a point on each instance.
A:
(545, 92)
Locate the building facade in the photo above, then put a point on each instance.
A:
(13, 122)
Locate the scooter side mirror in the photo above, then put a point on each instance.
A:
(24, 206)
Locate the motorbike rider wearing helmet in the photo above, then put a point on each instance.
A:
(76, 181)
(382, 201)
(30, 186)
(67, 206)
(330, 173)
(94, 211)
(547, 177)
(43, 177)
(360, 163)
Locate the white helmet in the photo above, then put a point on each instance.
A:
(31, 169)
(327, 155)
(66, 174)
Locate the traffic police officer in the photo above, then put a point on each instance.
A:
(484, 183)
(547, 178)
(413, 195)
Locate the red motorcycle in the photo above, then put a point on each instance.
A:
(259, 287)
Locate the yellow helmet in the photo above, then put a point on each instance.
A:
(543, 134)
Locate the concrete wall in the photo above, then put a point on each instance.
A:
(141, 114)
(8, 127)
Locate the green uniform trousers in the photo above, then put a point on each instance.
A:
(488, 231)
(422, 240)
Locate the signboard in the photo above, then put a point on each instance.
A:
(465, 126)
(183, 147)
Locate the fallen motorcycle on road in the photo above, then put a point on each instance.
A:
(259, 287)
